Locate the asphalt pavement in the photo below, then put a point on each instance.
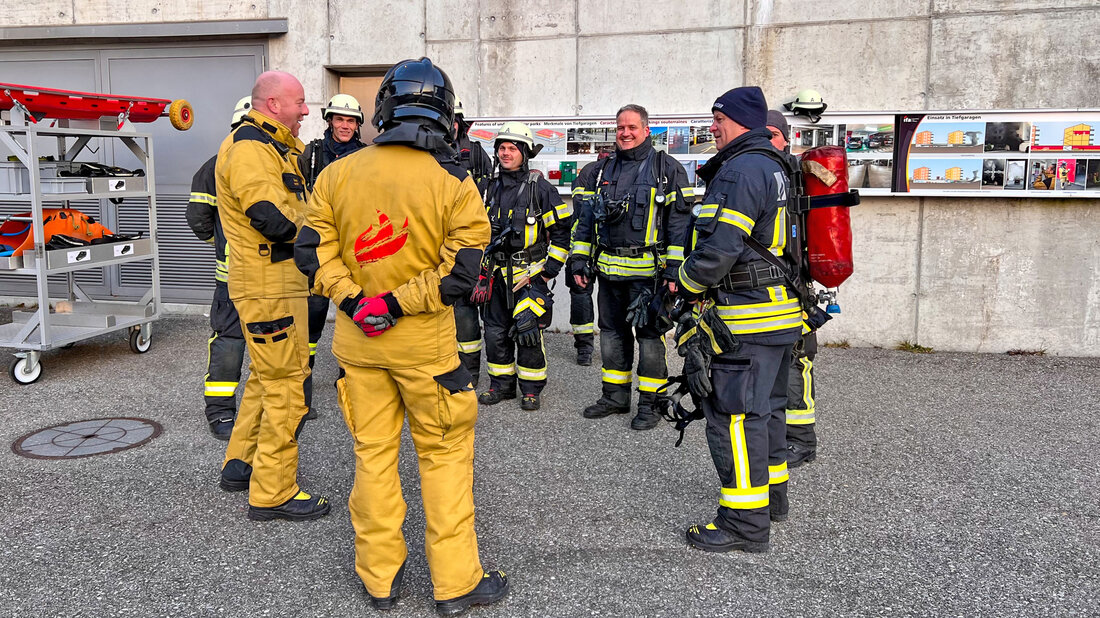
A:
(946, 485)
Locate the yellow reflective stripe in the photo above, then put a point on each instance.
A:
(801, 417)
(204, 198)
(687, 192)
(531, 373)
(527, 304)
(564, 210)
(582, 248)
(670, 198)
(651, 220)
(469, 347)
(612, 376)
(759, 310)
(548, 218)
(219, 389)
(530, 235)
(779, 235)
(675, 252)
(650, 385)
(581, 329)
(744, 497)
(501, 370)
(312, 349)
(706, 211)
(804, 416)
(778, 474)
(739, 450)
(690, 284)
(579, 191)
(557, 253)
(737, 220)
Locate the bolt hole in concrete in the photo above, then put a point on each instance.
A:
(98, 436)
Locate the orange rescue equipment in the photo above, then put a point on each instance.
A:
(18, 233)
(828, 226)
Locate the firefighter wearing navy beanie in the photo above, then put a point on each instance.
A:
(742, 390)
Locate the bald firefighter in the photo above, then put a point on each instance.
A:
(395, 264)
(261, 204)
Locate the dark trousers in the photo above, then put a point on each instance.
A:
(802, 393)
(746, 432)
(582, 315)
(617, 345)
(225, 354)
(507, 359)
(468, 329)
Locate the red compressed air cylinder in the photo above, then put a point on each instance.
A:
(828, 230)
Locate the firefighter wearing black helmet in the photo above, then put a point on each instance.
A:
(531, 225)
(395, 264)
(632, 230)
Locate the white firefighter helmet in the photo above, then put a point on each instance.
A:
(807, 102)
(243, 106)
(343, 105)
(459, 109)
(515, 132)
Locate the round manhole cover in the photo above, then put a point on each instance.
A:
(86, 438)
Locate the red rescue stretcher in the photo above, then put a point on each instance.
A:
(38, 103)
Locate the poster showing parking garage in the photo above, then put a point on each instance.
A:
(1028, 153)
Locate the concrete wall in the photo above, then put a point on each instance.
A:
(954, 274)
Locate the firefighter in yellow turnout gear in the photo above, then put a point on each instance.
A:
(395, 264)
(262, 201)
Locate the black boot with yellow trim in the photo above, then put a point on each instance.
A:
(714, 539)
(301, 507)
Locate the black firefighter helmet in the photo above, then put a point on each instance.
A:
(415, 91)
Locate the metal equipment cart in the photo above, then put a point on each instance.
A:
(32, 332)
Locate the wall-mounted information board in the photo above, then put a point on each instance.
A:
(1036, 153)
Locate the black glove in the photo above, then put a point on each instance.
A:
(529, 308)
(816, 318)
(637, 314)
(696, 367)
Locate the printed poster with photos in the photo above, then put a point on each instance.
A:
(1023, 153)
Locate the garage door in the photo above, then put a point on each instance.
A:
(212, 77)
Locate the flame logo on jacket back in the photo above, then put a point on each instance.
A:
(379, 243)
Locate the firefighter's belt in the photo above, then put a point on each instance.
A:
(529, 255)
(751, 276)
(629, 251)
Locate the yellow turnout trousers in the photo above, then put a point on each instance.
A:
(441, 407)
(264, 435)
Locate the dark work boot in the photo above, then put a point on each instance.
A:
(530, 403)
(778, 505)
(798, 454)
(311, 415)
(603, 408)
(299, 508)
(390, 602)
(235, 475)
(492, 588)
(584, 357)
(492, 397)
(222, 428)
(646, 418)
(714, 539)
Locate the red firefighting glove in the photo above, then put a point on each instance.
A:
(483, 289)
(375, 315)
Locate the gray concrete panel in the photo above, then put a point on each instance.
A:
(303, 51)
(1006, 61)
(460, 61)
(878, 302)
(512, 19)
(44, 13)
(999, 276)
(609, 17)
(112, 11)
(667, 73)
(764, 12)
(863, 65)
(511, 80)
(379, 33)
(448, 20)
(943, 7)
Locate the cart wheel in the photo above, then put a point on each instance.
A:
(181, 114)
(139, 344)
(18, 371)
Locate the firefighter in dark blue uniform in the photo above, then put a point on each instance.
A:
(467, 321)
(530, 244)
(632, 225)
(344, 117)
(747, 192)
(582, 313)
(225, 349)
